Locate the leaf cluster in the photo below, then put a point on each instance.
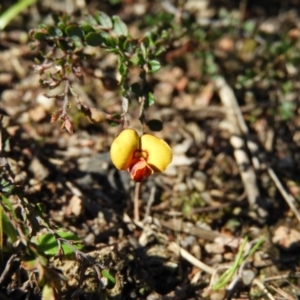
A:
(63, 50)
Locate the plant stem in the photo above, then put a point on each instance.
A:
(66, 98)
(136, 214)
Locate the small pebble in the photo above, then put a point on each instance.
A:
(89, 240)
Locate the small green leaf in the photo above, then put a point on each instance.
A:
(249, 26)
(63, 45)
(129, 46)
(65, 18)
(119, 27)
(286, 110)
(150, 99)
(6, 187)
(94, 39)
(186, 209)
(134, 59)
(113, 123)
(164, 35)
(106, 274)
(87, 28)
(62, 26)
(55, 18)
(74, 31)
(8, 227)
(40, 36)
(159, 50)
(54, 31)
(48, 292)
(90, 20)
(122, 42)
(77, 43)
(154, 66)
(123, 69)
(47, 243)
(144, 50)
(104, 20)
(41, 208)
(148, 40)
(9, 206)
(28, 263)
(155, 125)
(108, 40)
(287, 87)
(114, 2)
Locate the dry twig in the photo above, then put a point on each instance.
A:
(8, 267)
(238, 130)
(287, 197)
(210, 235)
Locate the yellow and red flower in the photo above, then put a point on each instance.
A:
(140, 155)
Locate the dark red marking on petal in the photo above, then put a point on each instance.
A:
(139, 170)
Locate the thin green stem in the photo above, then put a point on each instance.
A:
(240, 258)
(14, 11)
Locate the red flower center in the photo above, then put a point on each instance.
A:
(139, 169)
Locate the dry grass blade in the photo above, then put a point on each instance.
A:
(290, 200)
(190, 258)
(263, 288)
(283, 293)
(210, 235)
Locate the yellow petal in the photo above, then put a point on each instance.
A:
(123, 147)
(159, 152)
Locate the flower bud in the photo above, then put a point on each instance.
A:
(68, 125)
